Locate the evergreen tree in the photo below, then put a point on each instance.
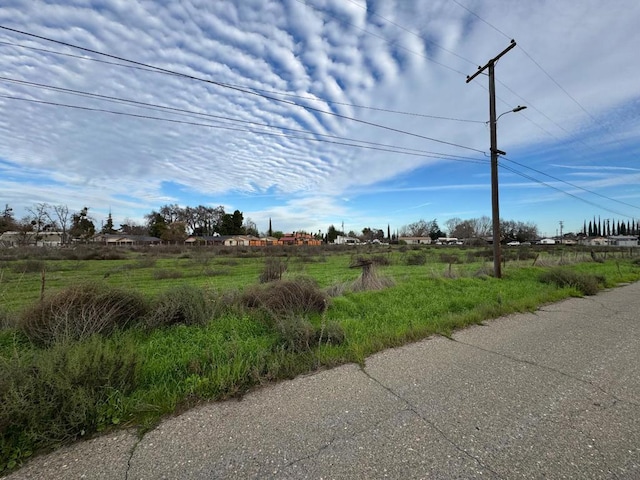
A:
(270, 232)
(108, 226)
(590, 229)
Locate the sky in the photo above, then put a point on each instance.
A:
(314, 113)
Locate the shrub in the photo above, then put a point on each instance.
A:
(583, 282)
(416, 259)
(297, 332)
(163, 274)
(62, 393)
(287, 297)
(29, 266)
(273, 270)
(80, 311)
(182, 304)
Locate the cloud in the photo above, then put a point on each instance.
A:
(331, 55)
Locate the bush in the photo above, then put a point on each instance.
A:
(287, 297)
(182, 304)
(81, 311)
(29, 266)
(416, 259)
(273, 270)
(52, 396)
(583, 282)
(163, 274)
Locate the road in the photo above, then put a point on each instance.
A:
(551, 394)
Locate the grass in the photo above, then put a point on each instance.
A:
(210, 337)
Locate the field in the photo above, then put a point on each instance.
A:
(94, 339)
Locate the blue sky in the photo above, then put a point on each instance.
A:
(419, 150)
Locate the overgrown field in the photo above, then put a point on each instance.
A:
(95, 339)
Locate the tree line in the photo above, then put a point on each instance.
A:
(608, 227)
(170, 223)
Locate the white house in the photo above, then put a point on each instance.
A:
(547, 241)
(415, 240)
(342, 240)
(623, 241)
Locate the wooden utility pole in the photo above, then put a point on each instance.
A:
(495, 206)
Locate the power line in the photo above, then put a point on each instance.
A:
(397, 150)
(533, 179)
(572, 184)
(275, 92)
(194, 114)
(242, 90)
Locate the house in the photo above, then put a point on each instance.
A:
(125, 240)
(415, 240)
(297, 238)
(623, 241)
(344, 240)
(41, 239)
(546, 241)
(596, 242)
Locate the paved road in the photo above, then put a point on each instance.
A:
(554, 394)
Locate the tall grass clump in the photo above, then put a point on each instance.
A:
(300, 295)
(80, 311)
(274, 268)
(55, 395)
(181, 304)
(585, 283)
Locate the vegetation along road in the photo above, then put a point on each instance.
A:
(107, 341)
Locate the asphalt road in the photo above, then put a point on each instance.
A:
(553, 394)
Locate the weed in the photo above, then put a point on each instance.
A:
(298, 296)
(273, 270)
(182, 304)
(164, 274)
(59, 394)
(81, 311)
(585, 283)
(416, 259)
(29, 266)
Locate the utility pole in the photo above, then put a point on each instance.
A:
(561, 225)
(495, 206)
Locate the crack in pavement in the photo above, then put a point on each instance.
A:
(133, 451)
(338, 438)
(551, 369)
(413, 409)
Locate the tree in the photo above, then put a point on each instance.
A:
(332, 234)
(107, 228)
(434, 230)
(416, 229)
(156, 224)
(62, 218)
(40, 219)
(371, 234)
(129, 227)
(174, 232)
(82, 226)
(278, 234)
(250, 227)
(7, 222)
(270, 232)
(232, 224)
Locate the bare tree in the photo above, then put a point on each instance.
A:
(63, 220)
(40, 219)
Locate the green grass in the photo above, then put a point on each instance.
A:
(133, 377)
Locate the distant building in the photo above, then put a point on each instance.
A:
(416, 240)
(623, 241)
